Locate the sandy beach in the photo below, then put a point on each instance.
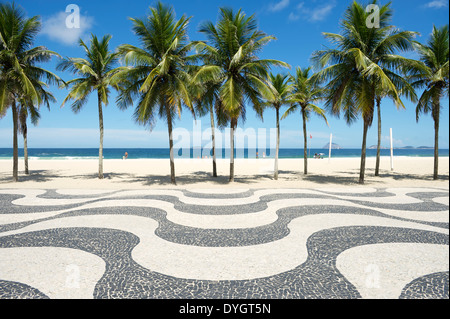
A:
(249, 173)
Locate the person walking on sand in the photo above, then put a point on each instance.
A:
(126, 155)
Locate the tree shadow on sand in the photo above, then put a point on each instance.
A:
(340, 178)
(43, 176)
(34, 176)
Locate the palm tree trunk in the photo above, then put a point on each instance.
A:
(275, 176)
(377, 164)
(363, 153)
(100, 150)
(232, 150)
(436, 139)
(25, 145)
(213, 137)
(15, 144)
(305, 142)
(172, 160)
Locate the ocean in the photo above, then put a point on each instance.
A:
(161, 153)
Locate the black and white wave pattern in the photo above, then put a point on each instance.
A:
(269, 243)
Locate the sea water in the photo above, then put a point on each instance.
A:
(162, 153)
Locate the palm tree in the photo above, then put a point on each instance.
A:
(433, 77)
(207, 101)
(23, 128)
(305, 93)
(232, 62)
(403, 87)
(361, 67)
(95, 72)
(20, 77)
(28, 109)
(281, 96)
(160, 74)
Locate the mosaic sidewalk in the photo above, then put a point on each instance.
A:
(244, 243)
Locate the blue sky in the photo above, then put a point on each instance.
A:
(298, 27)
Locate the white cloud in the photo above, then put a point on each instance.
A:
(318, 13)
(437, 4)
(293, 17)
(55, 28)
(279, 5)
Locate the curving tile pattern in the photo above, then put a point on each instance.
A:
(16, 290)
(59, 273)
(381, 271)
(429, 286)
(241, 243)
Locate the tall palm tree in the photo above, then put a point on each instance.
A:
(306, 92)
(434, 79)
(231, 53)
(23, 128)
(160, 74)
(95, 72)
(281, 96)
(403, 87)
(20, 77)
(359, 67)
(27, 109)
(207, 101)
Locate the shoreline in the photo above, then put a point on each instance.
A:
(159, 153)
(249, 173)
(81, 158)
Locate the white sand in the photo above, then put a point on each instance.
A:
(249, 173)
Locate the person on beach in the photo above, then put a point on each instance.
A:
(125, 156)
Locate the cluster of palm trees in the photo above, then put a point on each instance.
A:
(224, 75)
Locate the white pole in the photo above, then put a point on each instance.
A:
(392, 150)
(329, 151)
